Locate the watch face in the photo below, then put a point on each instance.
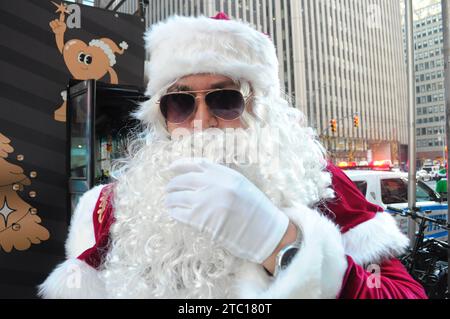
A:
(287, 257)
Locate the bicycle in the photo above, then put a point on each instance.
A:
(427, 260)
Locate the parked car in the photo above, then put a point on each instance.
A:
(441, 188)
(387, 188)
(423, 176)
(433, 170)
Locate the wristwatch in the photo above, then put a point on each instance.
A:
(287, 253)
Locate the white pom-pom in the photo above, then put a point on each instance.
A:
(123, 45)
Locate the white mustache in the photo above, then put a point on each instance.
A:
(229, 146)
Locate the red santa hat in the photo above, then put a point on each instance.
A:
(183, 46)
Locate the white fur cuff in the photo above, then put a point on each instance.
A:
(317, 271)
(81, 231)
(381, 238)
(73, 279)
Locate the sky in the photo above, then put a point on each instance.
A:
(417, 5)
(423, 3)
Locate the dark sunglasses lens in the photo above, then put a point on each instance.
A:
(176, 108)
(226, 104)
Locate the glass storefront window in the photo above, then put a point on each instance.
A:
(79, 142)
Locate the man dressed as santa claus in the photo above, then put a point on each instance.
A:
(226, 193)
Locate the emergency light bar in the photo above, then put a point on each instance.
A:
(385, 165)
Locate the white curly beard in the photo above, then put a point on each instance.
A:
(153, 256)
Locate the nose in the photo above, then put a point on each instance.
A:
(203, 119)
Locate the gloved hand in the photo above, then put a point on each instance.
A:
(222, 202)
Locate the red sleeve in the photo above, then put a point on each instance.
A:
(392, 281)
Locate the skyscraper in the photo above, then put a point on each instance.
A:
(430, 100)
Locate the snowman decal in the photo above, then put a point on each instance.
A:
(84, 61)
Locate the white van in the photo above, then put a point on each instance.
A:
(386, 188)
(433, 170)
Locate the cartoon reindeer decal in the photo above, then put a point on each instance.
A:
(84, 61)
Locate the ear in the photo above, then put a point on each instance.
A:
(113, 76)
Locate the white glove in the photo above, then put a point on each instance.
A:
(222, 202)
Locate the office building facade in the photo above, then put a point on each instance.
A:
(430, 92)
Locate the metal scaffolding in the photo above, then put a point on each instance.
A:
(409, 25)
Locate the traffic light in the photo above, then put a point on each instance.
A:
(356, 121)
(333, 124)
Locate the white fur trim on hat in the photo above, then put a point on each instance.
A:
(106, 48)
(183, 46)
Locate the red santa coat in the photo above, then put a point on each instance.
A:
(349, 252)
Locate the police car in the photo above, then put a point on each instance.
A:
(384, 187)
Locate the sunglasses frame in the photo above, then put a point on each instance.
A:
(195, 96)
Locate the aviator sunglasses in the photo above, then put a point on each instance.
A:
(225, 104)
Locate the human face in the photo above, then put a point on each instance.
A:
(202, 118)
